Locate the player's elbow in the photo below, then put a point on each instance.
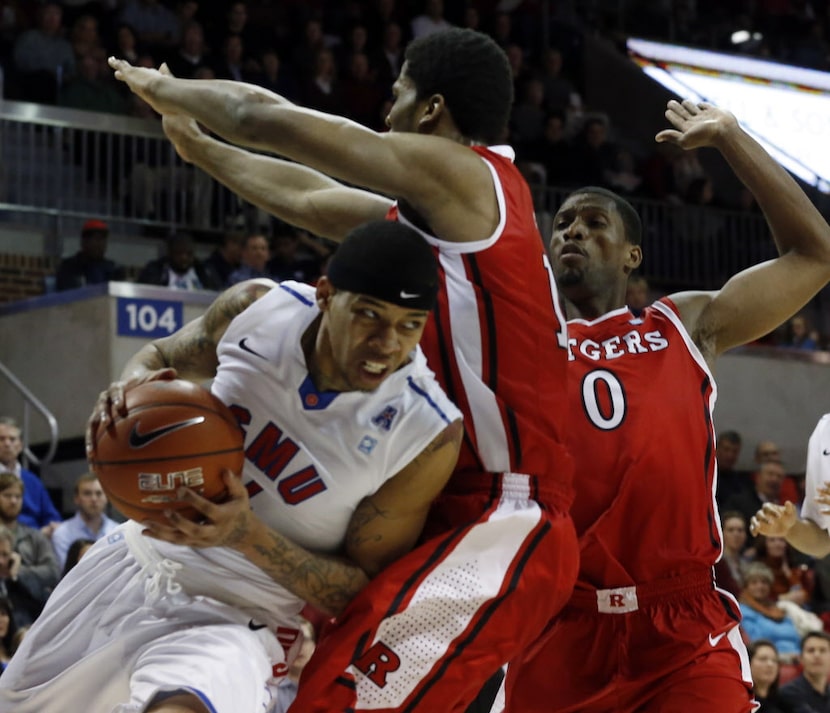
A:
(253, 117)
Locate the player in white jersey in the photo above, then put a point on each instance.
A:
(348, 438)
(811, 532)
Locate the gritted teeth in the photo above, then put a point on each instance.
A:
(374, 367)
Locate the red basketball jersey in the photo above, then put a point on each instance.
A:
(497, 341)
(642, 436)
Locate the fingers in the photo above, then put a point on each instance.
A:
(164, 69)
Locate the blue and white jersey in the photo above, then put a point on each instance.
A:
(311, 457)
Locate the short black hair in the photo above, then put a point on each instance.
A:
(473, 75)
(632, 224)
(730, 436)
(815, 634)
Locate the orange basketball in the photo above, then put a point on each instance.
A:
(175, 434)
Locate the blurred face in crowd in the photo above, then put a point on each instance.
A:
(776, 547)
(90, 499)
(769, 480)
(758, 587)
(94, 244)
(255, 252)
(727, 454)
(11, 503)
(767, 451)
(764, 666)
(734, 534)
(10, 445)
(815, 658)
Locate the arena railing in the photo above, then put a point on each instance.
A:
(61, 166)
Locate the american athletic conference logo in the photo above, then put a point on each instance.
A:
(384, 418)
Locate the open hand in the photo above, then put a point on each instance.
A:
(773, 520)
(696, 125)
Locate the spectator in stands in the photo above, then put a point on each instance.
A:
(76, 550)
(362, 95)
(389, 57)
(323, 90)
(32, 564)
(8, 632)
(731, 482)
(254, 261)
(801, 335)
(527, 118)
(637, 295)
(156, 26)
(38, 510)
(790, 577)
(295, 255)
(92, 89)
(762, 617)
(594, 154)
(767, 489)
(43, 57)
(552, 150)
(225, 258)
(729, 569)
(431, 20)
(126, 43)
(558, 88)
(191, 54)
(304, 57)
(89, 266)
(237, 24)
(178, 269)
(765, 669)
(273, 76)
(90, 520)
(356, 41)
(231, 62)
(809, 692)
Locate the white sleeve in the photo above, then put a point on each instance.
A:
(818, 472)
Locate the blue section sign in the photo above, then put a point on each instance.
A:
(148, 318)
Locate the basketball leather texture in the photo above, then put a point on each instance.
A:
(175, 434)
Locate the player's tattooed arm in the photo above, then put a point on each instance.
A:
(387, 524)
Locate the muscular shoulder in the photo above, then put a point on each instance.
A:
(233, 302)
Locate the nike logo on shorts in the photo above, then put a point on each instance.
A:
(139, 440)
(253, 626)
(715, 640)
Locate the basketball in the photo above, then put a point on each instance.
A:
(175, 433)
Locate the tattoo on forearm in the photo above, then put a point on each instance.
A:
(325, 581)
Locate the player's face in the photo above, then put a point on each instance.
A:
(10, 445)
(588, 249)
(368, 339)
(405, 111)
(764, 665)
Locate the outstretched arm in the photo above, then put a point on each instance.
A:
(296, 194)
(755, 301)
(384, 526)
(449, 185)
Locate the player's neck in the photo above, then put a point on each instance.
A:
(315, 346)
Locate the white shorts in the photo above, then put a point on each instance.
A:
(120, 628)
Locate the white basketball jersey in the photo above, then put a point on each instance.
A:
(310, 456)
(818, 472)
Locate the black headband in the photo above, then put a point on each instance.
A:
(388, 261)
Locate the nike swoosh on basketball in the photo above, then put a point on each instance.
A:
(409, 295)
(139, 440)
(715, 640)
(256, 627)
(245, 348)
